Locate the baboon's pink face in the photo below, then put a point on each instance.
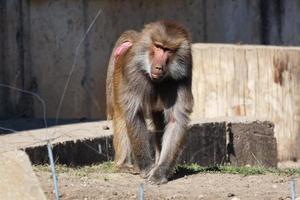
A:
(159, 57)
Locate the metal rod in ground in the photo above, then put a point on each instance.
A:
(141, 191)
(293, 188)
(50, 154)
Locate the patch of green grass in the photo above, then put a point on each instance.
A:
(246, 171)
(106, 167)
(288, 171)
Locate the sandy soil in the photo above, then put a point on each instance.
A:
(197, 186)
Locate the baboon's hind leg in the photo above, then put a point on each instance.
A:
(122, 147)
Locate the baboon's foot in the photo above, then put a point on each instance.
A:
(145, 167)
(145, 173)
(158, 175)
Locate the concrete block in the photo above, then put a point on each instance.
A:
(18, 181)
(252, 143)
(206, 144)
(210, 142)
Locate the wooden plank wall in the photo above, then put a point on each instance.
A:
(260, 82)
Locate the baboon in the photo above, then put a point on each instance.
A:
(149, 77)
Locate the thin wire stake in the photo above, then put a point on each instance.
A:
(50, 154)
(141, 191)
(293, 188)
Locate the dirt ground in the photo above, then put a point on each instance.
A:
(101, 185)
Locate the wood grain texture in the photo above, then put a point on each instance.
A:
(256, 81)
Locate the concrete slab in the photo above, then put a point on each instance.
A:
(57, 135)
(18, 181)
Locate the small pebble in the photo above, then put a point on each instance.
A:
(115, 193)
(274, 186)
(105, 127)
(230, 195)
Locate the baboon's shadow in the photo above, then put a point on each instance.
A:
(182, 171)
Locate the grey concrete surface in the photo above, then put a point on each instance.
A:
(18, 181)
(57, 134)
